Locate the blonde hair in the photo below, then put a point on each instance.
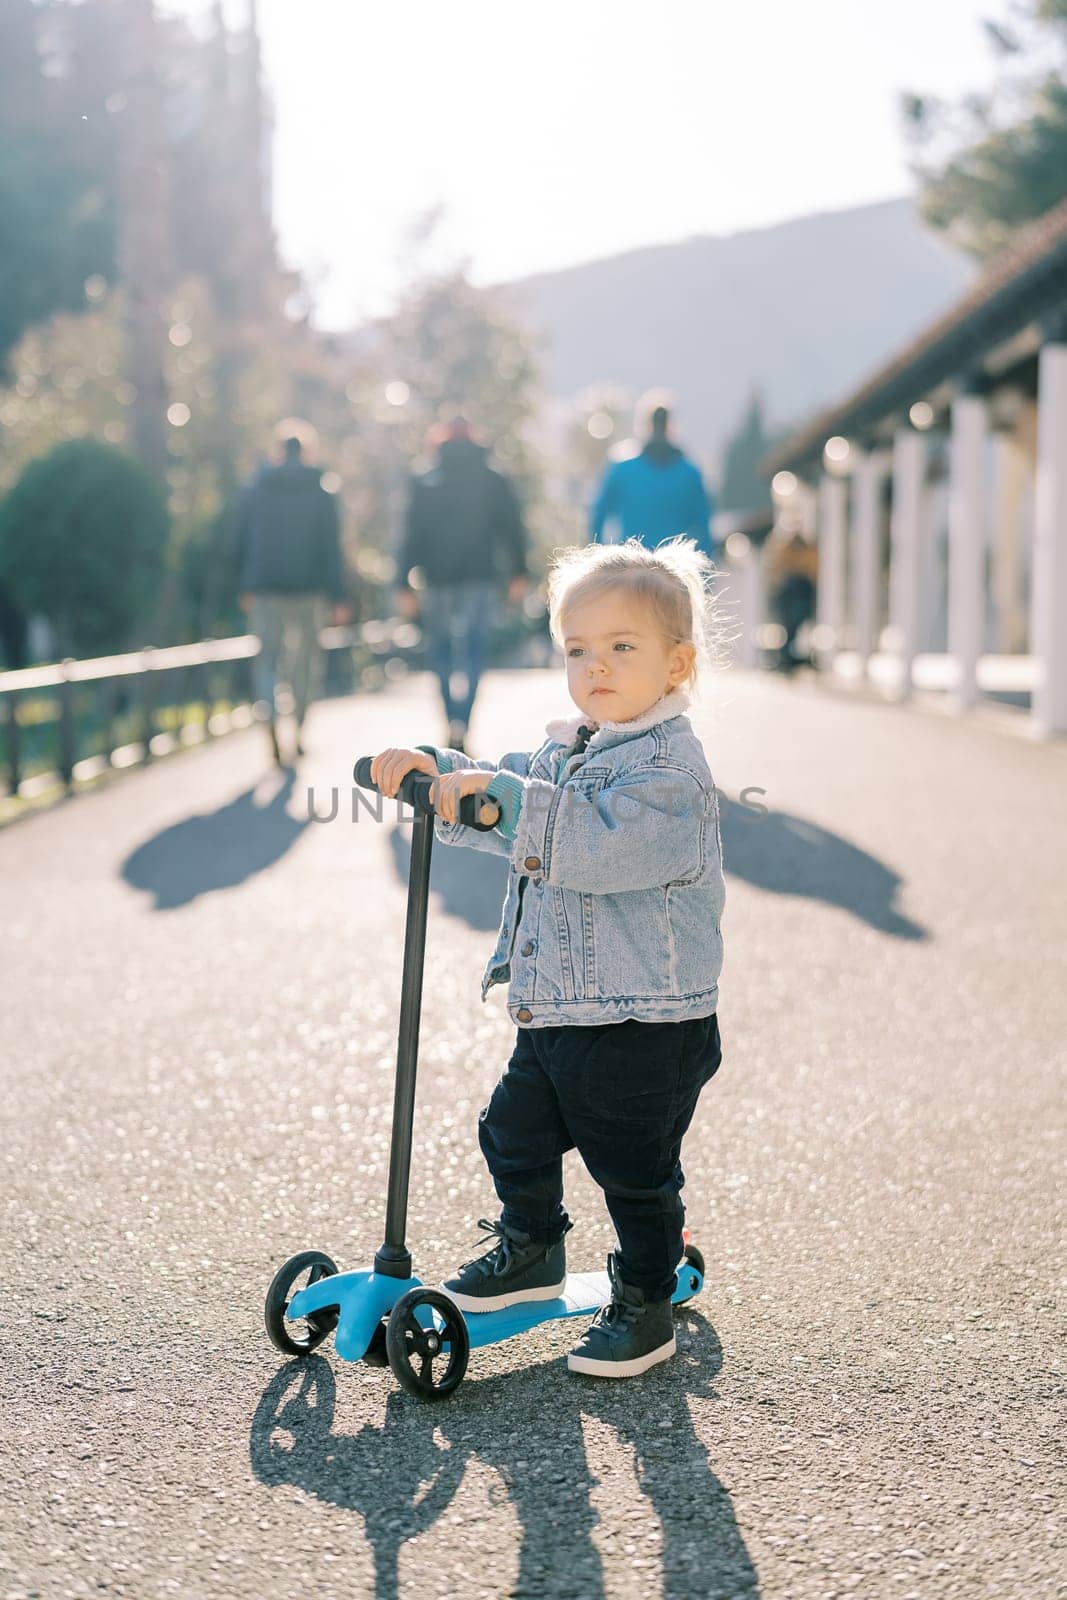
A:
(672, 582)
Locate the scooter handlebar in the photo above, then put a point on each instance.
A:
(415, 791)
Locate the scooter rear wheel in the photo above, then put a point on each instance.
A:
(320, 1324)
(414, 1350)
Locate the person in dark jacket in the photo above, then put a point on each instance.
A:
(652, 495)
(289, 565)
(464, 531)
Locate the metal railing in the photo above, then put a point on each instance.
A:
(131, 707)
(73, 720)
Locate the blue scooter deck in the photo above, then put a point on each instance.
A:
(364, 1298)
(583, 1293)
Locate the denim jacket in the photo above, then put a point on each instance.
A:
(615, 890)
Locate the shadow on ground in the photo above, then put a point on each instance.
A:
(789, 855)
(775, 850)
(471, 884)
(527, 1425)
(217, 849)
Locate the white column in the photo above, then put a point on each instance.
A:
(865, 603)
(933, 570)
(807, 497)
(1011, 472)
(1048, 608)
(905, 535)
(753, 608)
(967, 503)
(830, 591)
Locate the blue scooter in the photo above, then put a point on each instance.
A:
(385, 1316)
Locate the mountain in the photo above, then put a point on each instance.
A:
(802, 311)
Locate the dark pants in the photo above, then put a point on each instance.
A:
(623, 1095)
(456, 618)
(794, 604)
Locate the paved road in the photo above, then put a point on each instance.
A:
(198, 1015)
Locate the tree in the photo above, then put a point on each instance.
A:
(83, 538)
(457, 349)
(998, 160)
(146, 262)
(141, 300)
(454, 348)
(134, 153)
(57, 200)
(744, 487)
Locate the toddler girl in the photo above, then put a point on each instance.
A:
(610, 942)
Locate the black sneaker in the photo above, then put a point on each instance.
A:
(515, 1269)
(627, 1336)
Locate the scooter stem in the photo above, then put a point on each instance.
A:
(394, 1258)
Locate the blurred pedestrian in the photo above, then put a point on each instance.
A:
(654, 493)
(465, 533)
(791, 564)
(290, 577)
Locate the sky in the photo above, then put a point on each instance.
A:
(575, 129)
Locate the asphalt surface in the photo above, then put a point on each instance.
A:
(198, 1013)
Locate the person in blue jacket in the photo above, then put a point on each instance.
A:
(654, 495)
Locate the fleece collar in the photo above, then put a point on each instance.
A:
(672, 704)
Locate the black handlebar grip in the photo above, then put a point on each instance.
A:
(415, 791)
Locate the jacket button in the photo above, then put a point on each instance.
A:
(528, 948)
(532, 863)
(524, 1015)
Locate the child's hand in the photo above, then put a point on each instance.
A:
(452, 786)
(390, 767)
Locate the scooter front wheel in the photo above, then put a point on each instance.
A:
(427, 1361)
(320, 1324)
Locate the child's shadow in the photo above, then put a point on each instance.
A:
(774, 850)
(790, 855)
(527, 1425)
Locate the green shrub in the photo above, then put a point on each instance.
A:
(83, 541)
